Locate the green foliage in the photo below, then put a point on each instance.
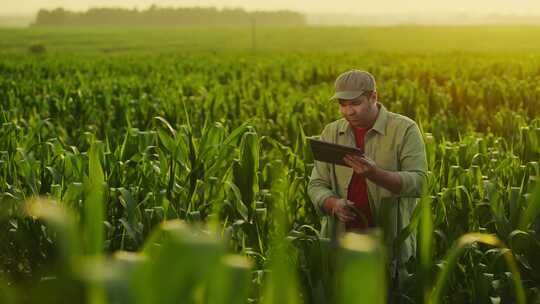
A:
(362, 268)
(94, 206)
(455, 251)
(37, 48)
(181, 176)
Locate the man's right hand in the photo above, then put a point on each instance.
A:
(341, 208)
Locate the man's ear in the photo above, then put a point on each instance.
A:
(374, 95)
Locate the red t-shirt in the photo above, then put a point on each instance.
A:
(357, 192)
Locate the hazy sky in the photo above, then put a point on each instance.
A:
(307, 6)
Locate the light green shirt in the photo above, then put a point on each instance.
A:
(395, 144)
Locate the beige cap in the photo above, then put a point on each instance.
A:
(354, 83)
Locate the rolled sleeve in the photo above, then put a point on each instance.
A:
(319, 186)
(413, 163)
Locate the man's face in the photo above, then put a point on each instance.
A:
(359, 112)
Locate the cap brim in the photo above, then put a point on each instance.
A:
(347, 95)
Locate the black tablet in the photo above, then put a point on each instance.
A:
(332, 153)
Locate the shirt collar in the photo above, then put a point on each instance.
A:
(379, 125)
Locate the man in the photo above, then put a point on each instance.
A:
(390, 175)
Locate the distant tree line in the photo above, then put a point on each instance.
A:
(167, 16)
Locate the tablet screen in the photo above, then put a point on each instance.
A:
(330, 152)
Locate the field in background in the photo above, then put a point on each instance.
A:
(132, 129)
(491, 39)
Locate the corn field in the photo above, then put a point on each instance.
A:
(180, 176)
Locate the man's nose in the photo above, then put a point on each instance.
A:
(349, 110)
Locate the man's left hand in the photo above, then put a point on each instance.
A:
(361, 165)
